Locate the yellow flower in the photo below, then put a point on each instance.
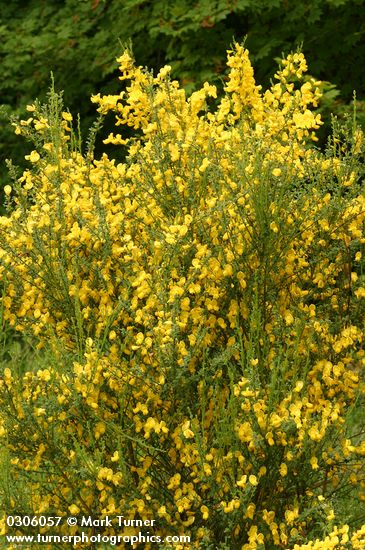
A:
(250, 510)
(253, 480)
(245, 432)
(67, 116)
(188, 433)
(205, 511)
(33, 157)
(204, 165)
(99, 429)
(360, 292)
(306, 119)
(242, 482)
(314, 462)
(283, 469)
(289, 319)
(105, 473)
(74, 510)
(115, 457)
(291, 515)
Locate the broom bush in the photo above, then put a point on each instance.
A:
(199, 310)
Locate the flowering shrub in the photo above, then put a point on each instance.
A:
(200, 306)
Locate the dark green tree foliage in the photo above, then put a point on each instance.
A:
(78, 40)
